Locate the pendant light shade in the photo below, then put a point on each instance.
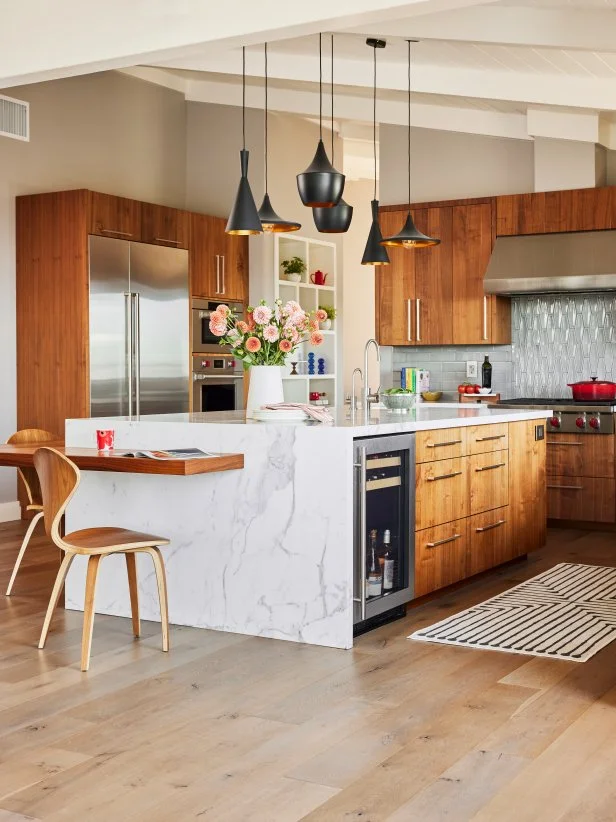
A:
(244, 218)
(337, 219)
(374, 252)
(320, 185)
(270, 221)
(409, 236)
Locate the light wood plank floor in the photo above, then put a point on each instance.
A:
(231, 728)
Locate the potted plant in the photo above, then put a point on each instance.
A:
(293, 269)
(263, 341)
(326, 322)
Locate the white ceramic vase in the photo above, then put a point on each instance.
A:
(326, 325)
(265, 387)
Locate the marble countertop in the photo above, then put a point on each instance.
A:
(422, 418)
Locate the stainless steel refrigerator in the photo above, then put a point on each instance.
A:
(139, 328)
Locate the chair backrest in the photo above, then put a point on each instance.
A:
(28, 436)
(59, 478)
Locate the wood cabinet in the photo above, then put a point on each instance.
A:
(395, 290)
(490, 540)
(441, 492)
(440, 444)
(485, 438)
(489, 481)
(441, 556)
(527, 492)
(588, 499)
(218, 261)
(161, 225)
(580, 455)
(112, 216)
(546, 212)
(433, 291)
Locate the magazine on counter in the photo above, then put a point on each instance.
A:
(171, 454)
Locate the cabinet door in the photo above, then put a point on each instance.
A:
(433, 279)
(578, 455)
(442, 492)
(234, 264)
(204, 264)
(527, 491)
(112, 216)
(441, 444)
(161, 225)
(586, 499)
(485, 438)
(489, 481)
(395, 289)
(490, 541)
(440, 556)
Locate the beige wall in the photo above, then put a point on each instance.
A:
(447, 165)
(107, 132)
(563, 164)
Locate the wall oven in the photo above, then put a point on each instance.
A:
(218, 382)
(384, 517)
(203, 341)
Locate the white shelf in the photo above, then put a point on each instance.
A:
(309, 377)
(307, 285)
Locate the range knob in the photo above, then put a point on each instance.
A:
(595, 422)
(554, 422)
(581, 421)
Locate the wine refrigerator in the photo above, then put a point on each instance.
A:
(384, 517)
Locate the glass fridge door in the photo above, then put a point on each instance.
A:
(384, 555)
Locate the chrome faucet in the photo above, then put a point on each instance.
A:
(353, 395)
(368, 397)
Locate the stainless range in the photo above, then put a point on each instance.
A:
(569, 416)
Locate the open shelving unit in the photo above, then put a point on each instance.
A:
(318, 255)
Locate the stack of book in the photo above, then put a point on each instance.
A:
(415, 379)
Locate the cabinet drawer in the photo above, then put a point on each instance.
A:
(440, 445)
(580, 455)
(490, 541)
(484, 438)
(581, 498)
(489, 481)
(112, 216)
(441, 492)
(161, 225)
(440, 556)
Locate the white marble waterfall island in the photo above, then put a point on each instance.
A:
(267, 550)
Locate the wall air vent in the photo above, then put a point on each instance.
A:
(14, 118)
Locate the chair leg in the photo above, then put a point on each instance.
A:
(22, 550)
(88, 610)
(131, 570)
(55, 596)
(161, 582)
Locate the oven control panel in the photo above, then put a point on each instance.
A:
(213, 365)
(581, 422)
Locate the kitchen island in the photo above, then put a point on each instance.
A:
(267, 550)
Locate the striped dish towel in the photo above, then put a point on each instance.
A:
(315, 412)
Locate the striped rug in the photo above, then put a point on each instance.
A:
(568, 612)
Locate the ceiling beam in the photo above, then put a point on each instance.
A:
(79, 37)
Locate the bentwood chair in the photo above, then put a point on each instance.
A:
(59, 478)
(28, 476)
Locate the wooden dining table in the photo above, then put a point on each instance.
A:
(89, 459)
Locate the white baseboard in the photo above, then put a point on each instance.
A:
(10, 511)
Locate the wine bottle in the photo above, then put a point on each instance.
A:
(486, 373)
(388, 562)
(374, 582)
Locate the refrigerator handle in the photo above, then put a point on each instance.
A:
(128, 352)
(363, 547)
(137, 343)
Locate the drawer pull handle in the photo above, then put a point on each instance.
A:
(487, 439)
(489, 527)
(567, 487)
(573, 444)
(441, 444)
(165, 240)
(444, 476)
(113, 231)
(443, 541)
(490, 467)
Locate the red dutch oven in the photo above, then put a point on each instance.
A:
(593, 389)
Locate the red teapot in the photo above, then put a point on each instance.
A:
(318, 278)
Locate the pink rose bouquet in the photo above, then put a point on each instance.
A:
(268, 335)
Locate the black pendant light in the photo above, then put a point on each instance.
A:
(270, 221)
(244, 218)
(337, 219)
(320, 185)
(374, 252)
(409, 236)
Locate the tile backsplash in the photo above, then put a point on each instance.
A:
(556, 339)
(560, 339)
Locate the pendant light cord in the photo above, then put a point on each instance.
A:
(409, 120)
(320, 87)
(243, 97)
(374, 118)
(266, 151)
(332, 90)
